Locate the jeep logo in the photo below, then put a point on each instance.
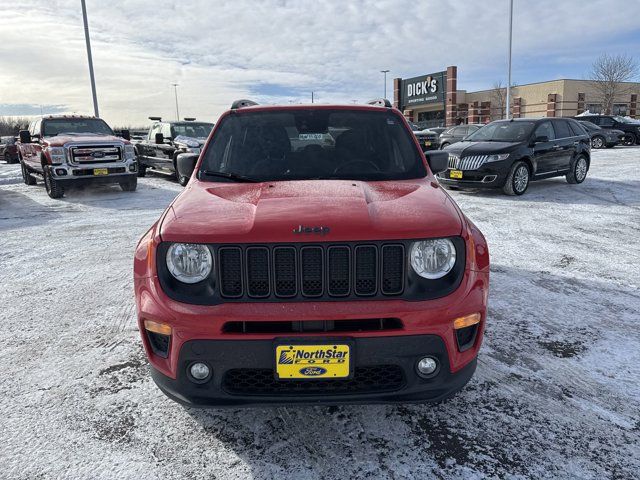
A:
(97, 154)
(316, 230)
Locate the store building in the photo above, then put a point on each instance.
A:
(434, 100)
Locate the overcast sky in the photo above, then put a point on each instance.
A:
(280, 50)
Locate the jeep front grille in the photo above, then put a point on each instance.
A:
(88, 154)
(311, 271)
(466, 163)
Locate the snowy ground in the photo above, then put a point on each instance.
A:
(556, 394)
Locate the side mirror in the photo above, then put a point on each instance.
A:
(541, 139)
(25, 136)
(438, 160)
(159, 138)
(126, 134)
(186, 164)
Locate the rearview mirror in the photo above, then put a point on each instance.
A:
(126, 134)
(438, 161)
(159, 138)
(25, 136)
(186, 164)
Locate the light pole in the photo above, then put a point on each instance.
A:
(385, 81)
(509, 62)
(175, 90)
(93, 79)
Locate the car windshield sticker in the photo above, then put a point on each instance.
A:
(310, 136)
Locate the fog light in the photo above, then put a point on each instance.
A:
(61, 171)
(427, 366)
(200, 371)
(132, 167)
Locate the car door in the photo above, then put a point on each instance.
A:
(166, 149)
(566, 144)
(544, 152)
(31, 151)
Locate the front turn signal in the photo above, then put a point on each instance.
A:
(466, 321)
(155, 327)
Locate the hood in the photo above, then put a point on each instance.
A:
(60, 140)
(614, 132)
(208, 212)
(190, 141)
(481, 148)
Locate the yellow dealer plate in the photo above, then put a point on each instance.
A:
(455, 174)
(101, 171)
(427, 143)
(313, 361)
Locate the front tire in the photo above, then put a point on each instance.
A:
(629, 139)
(130, 185)
(54, 188)
(597, 142)
(26, 176)
(518, 179)
(578, 172)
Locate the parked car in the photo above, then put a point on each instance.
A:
(630, 128)
(428, 139)
(70, 150)
(457, 134)
(601, 137)
(314, 273)
(9, 149)
(166, 140)
(508, 154)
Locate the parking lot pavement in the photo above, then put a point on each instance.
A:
(556, 394)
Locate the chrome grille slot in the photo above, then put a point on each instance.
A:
(88, 154)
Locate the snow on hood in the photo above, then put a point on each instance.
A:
(214, 212)
(190, 141)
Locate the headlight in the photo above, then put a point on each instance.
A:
(129, 152)
(433, 258)
(57, 155)
(498, 157)
(189, 262)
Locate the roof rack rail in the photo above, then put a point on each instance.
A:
(189, 119)
(155, 119)
(242, 103)
(380, 102)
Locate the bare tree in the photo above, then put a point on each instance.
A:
(607, 73)
(12, 125)
(499, 98)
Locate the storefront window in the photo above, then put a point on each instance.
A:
(620, 109)
(594, 108)
(430, 119)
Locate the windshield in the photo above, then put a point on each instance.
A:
(56, 126)
(502, 132)
(312, 144)
(590, 126)
(191, 129)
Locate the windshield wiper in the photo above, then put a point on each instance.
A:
(229, 175)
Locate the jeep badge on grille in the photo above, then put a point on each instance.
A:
(317, 230)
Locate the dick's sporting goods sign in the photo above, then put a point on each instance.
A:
(424, 90)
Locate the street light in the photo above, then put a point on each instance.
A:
(175, 90)
(385, 81)
(509, 63)
(93, 79)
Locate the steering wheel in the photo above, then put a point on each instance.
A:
(365, 163)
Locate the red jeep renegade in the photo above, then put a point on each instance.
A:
(312, 258)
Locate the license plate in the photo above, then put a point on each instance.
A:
(101, 171)
(313, 361)
(455, 174)
(427, 143)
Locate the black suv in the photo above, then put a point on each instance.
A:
(508, 154)
(630, 128)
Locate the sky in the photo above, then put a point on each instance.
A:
(279, 51)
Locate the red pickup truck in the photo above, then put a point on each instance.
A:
(68, 150)
(312, 258)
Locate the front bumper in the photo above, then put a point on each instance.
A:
(489, 175)
(385, 372)
(85, 174)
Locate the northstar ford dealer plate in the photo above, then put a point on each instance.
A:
(313, 361)
(455, 174)
(101, 171)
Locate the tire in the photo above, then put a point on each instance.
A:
(444, 145)
(142, 171)
(629, 139)
(597, 142)
(130, 185)
(53, 187)
(26, 176)
(579, 169)
(518, 179)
